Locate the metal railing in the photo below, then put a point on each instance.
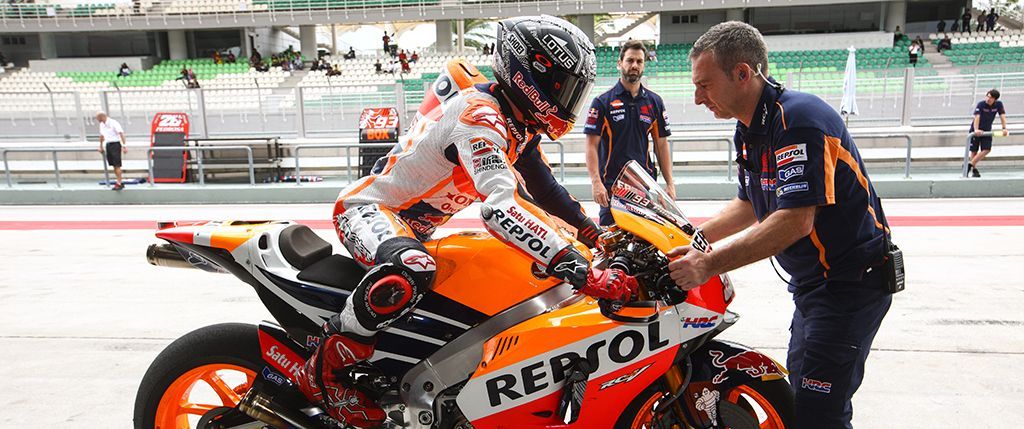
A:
(910, 143)
(967, 147)
(56, 166)
(199, 160)
(296, 149)
(348, 155)
(728, 144)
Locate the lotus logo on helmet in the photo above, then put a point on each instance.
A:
(560, 49)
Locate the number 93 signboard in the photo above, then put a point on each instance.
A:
(376, 125)
(169, 130)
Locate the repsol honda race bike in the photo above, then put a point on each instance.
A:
(494, 344)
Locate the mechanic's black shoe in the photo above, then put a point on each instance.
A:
(975, 172)
(118, 187)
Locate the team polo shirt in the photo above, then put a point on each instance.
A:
(798, 153)
(626, 126)
(111, 130)
(987, 114)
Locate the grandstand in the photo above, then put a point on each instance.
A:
(41, 99)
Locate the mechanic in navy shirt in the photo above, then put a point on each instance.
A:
(620, 126)
(984, 114)
(804, 186)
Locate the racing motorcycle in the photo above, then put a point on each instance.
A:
(494, 344)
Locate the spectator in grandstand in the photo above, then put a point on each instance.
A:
(378, 67)
(991, 19)
(415, 57)
(183, 74)
(231, 57)
(941, 26)
(897, 35)
(256, 57)
(914, 50)
(984, 115)
(333, 71)
(297, 62)
(965, 22)
(620, 126)
(803, 183)
(955, 27)
(351, 55)
(920, 43)
(192, 83)
(216, 58)
(981, 22)
(405, 65)
(124, 70)
(262, 66)
(652, 56)
(946, 43)
(387, 43)
(3, 60)
(112, 145)
(402, 56)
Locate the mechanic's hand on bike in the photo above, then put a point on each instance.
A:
(600, 194)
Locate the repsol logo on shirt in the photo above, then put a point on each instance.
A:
(534, 377)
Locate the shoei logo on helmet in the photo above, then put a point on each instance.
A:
(515, 43)
(560, 50)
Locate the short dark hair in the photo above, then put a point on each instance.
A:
(731, 43)
(994, 93)
(631, 44)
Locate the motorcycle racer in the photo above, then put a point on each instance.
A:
(463, 151)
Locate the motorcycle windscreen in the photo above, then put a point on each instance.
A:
(640, 206)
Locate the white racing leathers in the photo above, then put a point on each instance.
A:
(441, 167)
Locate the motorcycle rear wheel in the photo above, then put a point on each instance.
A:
(753, 405)
(208, 368)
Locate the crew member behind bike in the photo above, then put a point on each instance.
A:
(465, 150)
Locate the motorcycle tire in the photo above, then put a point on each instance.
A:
(220, 361)
(753, 405)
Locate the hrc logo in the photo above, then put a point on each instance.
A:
(699, 322)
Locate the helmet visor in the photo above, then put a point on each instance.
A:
(571, 92)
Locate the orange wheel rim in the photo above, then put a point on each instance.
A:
(177, 403)
(646, 415)
(772, 419)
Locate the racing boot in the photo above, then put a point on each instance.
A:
(318, 382)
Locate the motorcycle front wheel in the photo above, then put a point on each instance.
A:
(752, 405)
(208, 368)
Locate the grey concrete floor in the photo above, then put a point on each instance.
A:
(82, 315)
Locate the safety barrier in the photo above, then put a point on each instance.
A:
(199, 159)
(56, 166)
(297, 149)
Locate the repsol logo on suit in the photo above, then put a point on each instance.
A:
(534, 377)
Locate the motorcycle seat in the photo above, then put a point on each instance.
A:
(301, 247)
(338, 271)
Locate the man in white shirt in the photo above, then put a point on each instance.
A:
(112, 135)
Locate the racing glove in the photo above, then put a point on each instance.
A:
(612, 284)
(588, 232)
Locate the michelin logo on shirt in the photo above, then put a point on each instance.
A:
(791, 188)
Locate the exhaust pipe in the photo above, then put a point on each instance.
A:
(166, 255)
(280, 412)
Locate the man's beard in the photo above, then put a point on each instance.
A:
(632, 78)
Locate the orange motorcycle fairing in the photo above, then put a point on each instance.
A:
(521, 377)
(480, 272)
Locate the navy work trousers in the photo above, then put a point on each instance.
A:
(832, 330)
